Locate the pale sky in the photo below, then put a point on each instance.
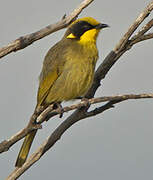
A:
(115, 145)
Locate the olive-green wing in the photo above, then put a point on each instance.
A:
(52, 68)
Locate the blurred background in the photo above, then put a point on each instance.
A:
(117, 144)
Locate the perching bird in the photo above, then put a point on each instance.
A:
(68, 70)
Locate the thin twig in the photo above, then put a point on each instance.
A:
(27, 40)
(82, 113)
(59, 131)
(6, 144)
(145, 13)
(143, 30)
(141, 38)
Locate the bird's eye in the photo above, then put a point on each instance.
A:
(86, 27)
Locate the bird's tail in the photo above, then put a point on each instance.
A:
(24, 151)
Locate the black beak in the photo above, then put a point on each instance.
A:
(101, 26)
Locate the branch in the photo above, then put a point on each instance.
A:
(59, 131)
(122, 46)
(6, 144)
(145, 13)
(27, 40)
(144, 29)
(141, 38)
(82, 113)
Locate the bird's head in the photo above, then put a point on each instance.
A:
(84, 29)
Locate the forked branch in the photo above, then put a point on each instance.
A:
(126, 42)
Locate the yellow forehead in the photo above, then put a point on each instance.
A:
(90, 20)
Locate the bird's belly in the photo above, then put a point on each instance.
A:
(73, 82)
(79, 81)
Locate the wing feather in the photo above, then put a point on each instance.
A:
(52, 68)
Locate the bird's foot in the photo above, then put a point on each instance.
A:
(59, 106)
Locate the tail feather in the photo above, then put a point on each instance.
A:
(24, 151)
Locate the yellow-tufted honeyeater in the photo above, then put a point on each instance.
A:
(68, 70)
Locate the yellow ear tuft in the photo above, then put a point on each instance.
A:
(71, 36)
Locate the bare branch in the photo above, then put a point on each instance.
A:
(101, 109)
(142, 38)
(144, 29)
(145, 13)
(27, 40)
(111, 103)
(49, 112)
(81, 113)
(59, 131)
(132, 42)
(122, 46)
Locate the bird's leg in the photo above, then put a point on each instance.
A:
(59, 106)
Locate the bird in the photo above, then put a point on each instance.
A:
(67, 72)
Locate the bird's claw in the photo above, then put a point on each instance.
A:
(60, 109)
